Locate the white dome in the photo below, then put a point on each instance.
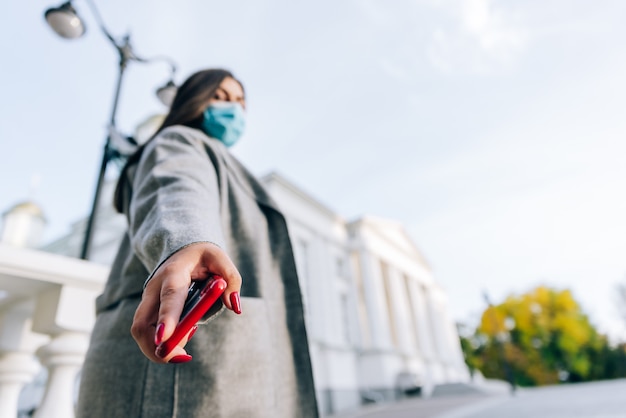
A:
(26, 207)
(23, 225)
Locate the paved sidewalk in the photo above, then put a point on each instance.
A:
(437, 407)
(604, 399)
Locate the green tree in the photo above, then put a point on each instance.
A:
(468, 346)
(541, 337)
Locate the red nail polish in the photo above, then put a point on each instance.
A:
(193, 331)
(235, 302)
(160, 351)
(158, 335)
(183, 358)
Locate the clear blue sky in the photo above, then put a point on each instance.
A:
(493, 130)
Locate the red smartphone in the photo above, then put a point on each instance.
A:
(202, 295)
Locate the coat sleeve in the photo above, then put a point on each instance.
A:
(175, 199)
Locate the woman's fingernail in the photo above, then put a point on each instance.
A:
(193, 331)
(235, 302)
(183, 358)
(160, 351)
(158, 334)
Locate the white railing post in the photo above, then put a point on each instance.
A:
(16, 370)
(18, 365)
(63, 357)
(46, 306)
(67, 314)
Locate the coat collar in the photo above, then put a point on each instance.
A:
(236, 170)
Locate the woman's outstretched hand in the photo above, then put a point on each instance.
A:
(164, 296)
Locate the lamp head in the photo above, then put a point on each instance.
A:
(167, 93)
(65, 21)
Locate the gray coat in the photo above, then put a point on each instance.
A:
(188, 188)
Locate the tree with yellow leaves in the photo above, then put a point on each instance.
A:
(541, 337)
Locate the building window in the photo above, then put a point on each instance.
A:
(340, 267)
(345, 315)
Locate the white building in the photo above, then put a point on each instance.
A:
(378, 324)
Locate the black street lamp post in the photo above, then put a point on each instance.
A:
(65, 22)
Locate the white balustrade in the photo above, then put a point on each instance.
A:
(46, 315)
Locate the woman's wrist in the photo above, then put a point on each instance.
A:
(145, 283)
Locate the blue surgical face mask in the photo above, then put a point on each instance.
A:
(224, 121)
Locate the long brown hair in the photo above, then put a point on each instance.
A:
(192, 98)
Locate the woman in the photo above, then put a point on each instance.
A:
(192, 210)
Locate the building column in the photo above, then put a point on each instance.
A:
(401, 308)
(425, 335)
(441, 332)
(458, 370)
(422, 318)
(376, 306)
